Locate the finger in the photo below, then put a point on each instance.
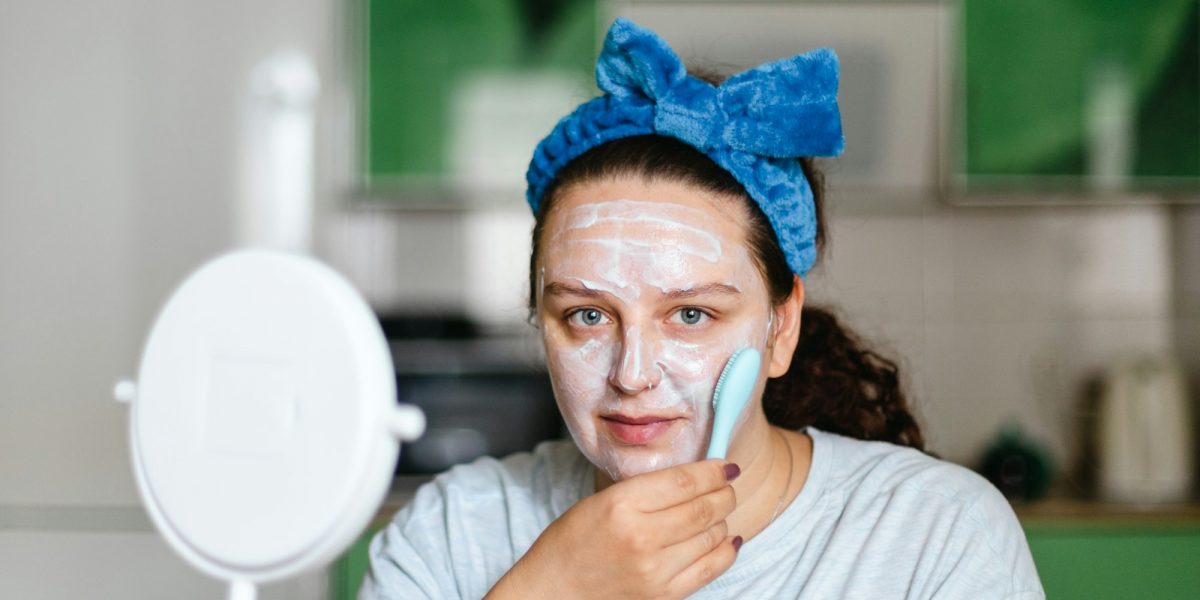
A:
(666, 488)
(678, 557)
(705, 569)
(684, 521)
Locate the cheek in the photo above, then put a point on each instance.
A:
(687, 360)
(579, 373)
(694, 368)
(690, 370)
(699, 362)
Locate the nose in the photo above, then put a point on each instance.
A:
(635, 370)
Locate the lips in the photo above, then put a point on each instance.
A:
(638, 430)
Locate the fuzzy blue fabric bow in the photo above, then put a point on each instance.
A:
(754, 125)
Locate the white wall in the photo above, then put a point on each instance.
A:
(996, 314)
(1002, 314)
(67, 171)
(118, 174)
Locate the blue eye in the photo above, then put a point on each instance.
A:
(691, 316)
(588, 316)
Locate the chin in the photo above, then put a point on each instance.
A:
(624, 462)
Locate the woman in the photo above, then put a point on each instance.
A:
(676, 220)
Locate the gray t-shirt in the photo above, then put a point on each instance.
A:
(873, 520)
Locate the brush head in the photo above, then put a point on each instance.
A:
(731, 395)
(743, 367)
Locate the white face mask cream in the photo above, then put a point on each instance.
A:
(641, 303)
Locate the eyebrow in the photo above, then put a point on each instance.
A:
(556, 288)
(700, 290)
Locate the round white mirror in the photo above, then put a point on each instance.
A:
(264, 423)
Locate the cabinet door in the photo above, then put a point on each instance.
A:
(1159, 561)
(347, 573)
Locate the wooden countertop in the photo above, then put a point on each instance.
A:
(1079, 511)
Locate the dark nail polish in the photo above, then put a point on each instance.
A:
(732, 471)
(737, 543)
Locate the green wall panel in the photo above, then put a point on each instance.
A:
(1031, 67)
(417, 51)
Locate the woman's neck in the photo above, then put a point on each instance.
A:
(772, 476)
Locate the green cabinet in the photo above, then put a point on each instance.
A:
(347, 573)
(1117, 559)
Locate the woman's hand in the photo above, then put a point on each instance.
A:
(656, 535)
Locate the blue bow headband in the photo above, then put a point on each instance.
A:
(755, 125)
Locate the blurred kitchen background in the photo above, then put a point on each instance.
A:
(1015, 220)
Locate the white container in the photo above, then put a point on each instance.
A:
(1145, 439)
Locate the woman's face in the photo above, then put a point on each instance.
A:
(645, 289)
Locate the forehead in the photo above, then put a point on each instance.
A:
(627, 208)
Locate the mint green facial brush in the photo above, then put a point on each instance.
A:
(730, 397)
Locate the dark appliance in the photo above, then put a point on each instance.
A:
(482, 395)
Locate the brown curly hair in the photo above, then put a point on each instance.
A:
(835, 382)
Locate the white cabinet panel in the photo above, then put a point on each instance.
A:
(126, 565)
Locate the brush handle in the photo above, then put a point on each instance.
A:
(718, 447)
